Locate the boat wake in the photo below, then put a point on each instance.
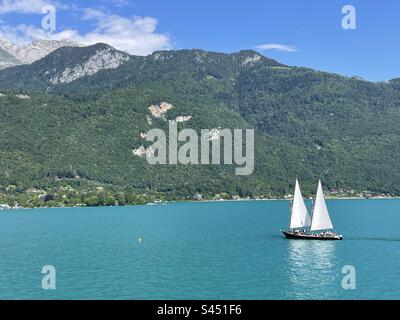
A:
(374, 238)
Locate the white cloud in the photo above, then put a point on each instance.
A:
(23, 34)
(277, 46)
(90, 14)
(120, 3)
(136, 35)
(26, 6)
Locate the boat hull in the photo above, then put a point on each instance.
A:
(302, 236)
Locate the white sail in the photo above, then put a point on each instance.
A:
(299, 217)
(320, 218)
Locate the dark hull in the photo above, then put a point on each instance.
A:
(302, 236)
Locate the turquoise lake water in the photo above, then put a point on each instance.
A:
(216, 250)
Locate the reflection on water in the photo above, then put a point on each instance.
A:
(312, 269)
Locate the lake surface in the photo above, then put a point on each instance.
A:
(215, 250)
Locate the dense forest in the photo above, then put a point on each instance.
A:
(71, 143)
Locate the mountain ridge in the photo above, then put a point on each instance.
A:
(26, 76)
(33, 51)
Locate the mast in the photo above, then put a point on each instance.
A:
(299, 217)
(320, 218)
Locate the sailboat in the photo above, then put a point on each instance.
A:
(302, 227)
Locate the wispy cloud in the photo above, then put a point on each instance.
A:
(120, 3)
(27, 6)
(277, 46)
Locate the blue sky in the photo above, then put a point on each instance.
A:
(310, 28)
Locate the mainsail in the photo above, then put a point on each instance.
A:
(299, 217)
(320, 218)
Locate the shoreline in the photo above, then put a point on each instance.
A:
(197, 201)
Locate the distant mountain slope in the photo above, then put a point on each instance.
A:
(7, 59)
(30, 52)
(75, 116)
(38, 49)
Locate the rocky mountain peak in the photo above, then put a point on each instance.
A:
(33, 51)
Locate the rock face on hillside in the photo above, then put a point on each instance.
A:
(102, 59)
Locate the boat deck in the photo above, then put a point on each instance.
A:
(311, 236)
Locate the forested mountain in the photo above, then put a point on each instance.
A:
(70, 121)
